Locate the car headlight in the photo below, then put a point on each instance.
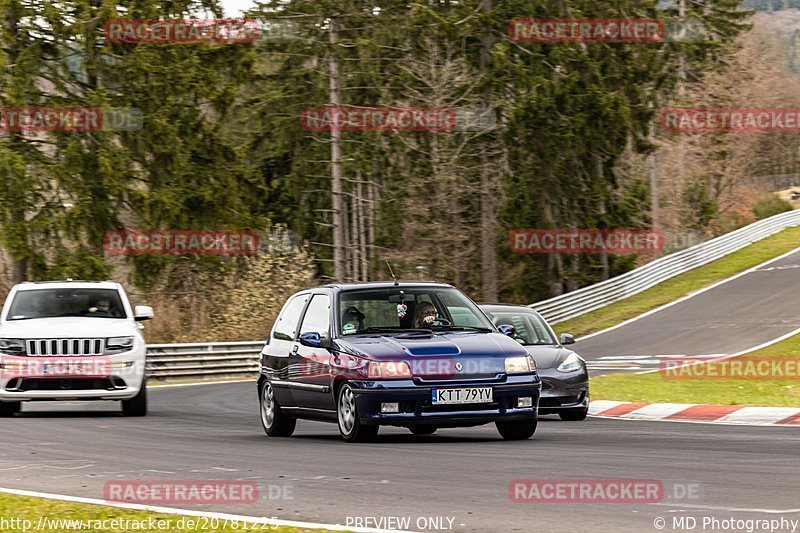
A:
(572, 363)
(388, 369)
(12, 346)
(520, 365)
(118, 345)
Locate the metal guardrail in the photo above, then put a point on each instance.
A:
(595, 296)
(203, 360)
(240, 359)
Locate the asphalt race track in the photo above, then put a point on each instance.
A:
(740, 314)
(213, 432)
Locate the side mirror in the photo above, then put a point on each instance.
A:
(567, 338)
(313, 339)
(508, 330)
(142, 312)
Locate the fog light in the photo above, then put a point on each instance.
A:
(393, 407)
(525, 402)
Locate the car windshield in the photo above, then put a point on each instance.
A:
(531, 328)
(48, 303)
(409, 309)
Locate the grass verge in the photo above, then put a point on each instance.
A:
(680, 286)
(39, 514)
(655, 387)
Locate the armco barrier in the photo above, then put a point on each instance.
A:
(240, 359)
(640, 279)
(203, 360)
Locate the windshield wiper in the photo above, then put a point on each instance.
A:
(465, 328)
(392, 330)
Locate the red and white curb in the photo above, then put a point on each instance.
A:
(689, 412)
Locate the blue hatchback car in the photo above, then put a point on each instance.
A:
(415, 355)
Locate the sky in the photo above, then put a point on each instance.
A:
(234, 8)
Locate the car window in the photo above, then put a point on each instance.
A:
(318, 316)
(531, 330)
(286, 325)
(66, 302)
(396, 308)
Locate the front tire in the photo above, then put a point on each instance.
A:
(136, 406)
(574, 415)
(10, 408)
(350, 427)
(275, 422)
(517, 430)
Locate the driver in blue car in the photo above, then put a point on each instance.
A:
(352, 320)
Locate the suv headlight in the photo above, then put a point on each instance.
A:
(572, 363)
(118, 345)
(520, 365)
(12, 346)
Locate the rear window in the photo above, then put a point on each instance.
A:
(50, 303)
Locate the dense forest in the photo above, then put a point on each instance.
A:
(549, 135)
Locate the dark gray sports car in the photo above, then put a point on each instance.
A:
(565, 381)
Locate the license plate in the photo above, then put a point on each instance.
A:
(456, 396)
(66, 368)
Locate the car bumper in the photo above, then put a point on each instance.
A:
(563, 391)
(415, 403)
(123, 382)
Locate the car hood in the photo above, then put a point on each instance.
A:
(548, 356)
(478, 354)
(66, 328)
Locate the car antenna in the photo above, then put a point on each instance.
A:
(396, 283)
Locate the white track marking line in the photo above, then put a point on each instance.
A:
(190, 512)
(684, 298)
(730, 509)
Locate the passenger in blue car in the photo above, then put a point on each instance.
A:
(425, 315)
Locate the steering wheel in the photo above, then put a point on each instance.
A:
(439, 321)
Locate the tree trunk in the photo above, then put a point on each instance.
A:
(339, 266)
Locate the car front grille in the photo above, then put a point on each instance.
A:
(64, 347)
(76, 384)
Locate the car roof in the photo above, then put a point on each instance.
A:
(383, 285)
(510, 308)
(61, 284)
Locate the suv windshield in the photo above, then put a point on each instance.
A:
(404, 309)
(48, 303)
(531, 329)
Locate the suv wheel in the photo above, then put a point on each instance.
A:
(350, 427)
(517, 430)
(10, 408)
(274, 421)
(136, 406)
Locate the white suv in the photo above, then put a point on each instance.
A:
(72, 340)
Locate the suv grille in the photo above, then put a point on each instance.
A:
(50, 347)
